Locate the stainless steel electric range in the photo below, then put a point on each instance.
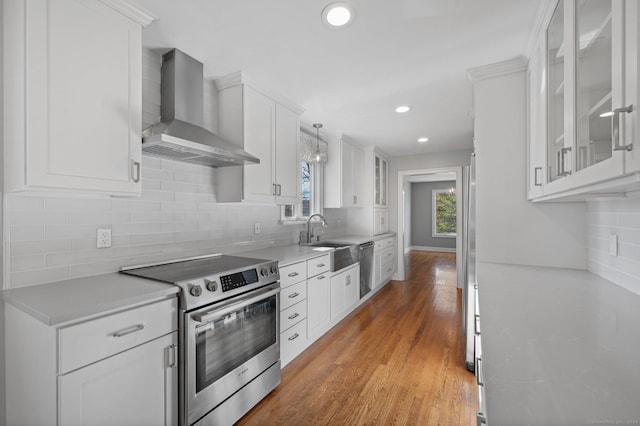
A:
(229, 333)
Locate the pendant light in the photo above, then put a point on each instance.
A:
(317, 157)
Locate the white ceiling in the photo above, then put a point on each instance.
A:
(413, 52)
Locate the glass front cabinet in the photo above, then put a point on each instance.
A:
(583, 97)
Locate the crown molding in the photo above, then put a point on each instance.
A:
(498, 69)
(140, 16)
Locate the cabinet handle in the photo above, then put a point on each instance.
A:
(320, 265)
(355, 199)
(293, 295)
(562, 154)
(274, 189)
(321, 277)
(615, 129)
(278, 190)
(293, 274)
(173, 356)
(296, 315)
(536, 175)
(480, 374)
(481, 420)
(294, 337)
(348, 281)
(135, 171)
(128, 330)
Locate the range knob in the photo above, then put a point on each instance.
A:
(264, 272)
(211, 285)
(274, 269)
(195, 290)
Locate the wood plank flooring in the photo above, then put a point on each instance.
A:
(397, 360)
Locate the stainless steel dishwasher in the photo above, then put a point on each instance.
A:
(366, 268)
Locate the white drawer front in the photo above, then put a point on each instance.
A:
(84, 343)
(292, 274)
(293, 341)
(387, 270)
(292, 315)
(293, 294)
(387, 255)
(318, 265)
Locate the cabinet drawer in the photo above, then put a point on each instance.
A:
(387, 270)
(293, 315)
(292, 274)
(318, 265)
(293, 294)
(84, 343)
(386, 255)
(383, 244)
(293, 341)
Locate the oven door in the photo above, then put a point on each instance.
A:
(227, 345)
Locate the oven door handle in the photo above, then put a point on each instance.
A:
(223, 310)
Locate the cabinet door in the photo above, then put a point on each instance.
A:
(357, 169)
(348, 199)
(536, 140)
(384, 179)
(352, 287)
(83, 103)
(318, 304)
(259, 135)
(287, 168)
(632, 87)
(338, 301)
(380, 225)
(377, 268)
(135, 387)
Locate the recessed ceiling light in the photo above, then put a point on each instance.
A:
(403, 108)
(338, 14)
(422, 140)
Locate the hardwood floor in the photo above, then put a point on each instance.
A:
(398, 359)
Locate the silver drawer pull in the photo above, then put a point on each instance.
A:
(320, 265)
(615, 128)
(293, 274)
(294, 337)
(479, 372)
(128, 330)
(321, 277)
(293, 295)
(173, 356)
(296, 315)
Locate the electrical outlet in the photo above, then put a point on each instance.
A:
(613, 245)
(256, 228)
(103, 238)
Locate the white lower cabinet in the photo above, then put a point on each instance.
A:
(118, 369)
(345, 291)
(135, 387)
(383, 266)
(319, 305)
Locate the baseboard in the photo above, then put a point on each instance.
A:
(425, 248)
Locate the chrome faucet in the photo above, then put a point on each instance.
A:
(309, 229)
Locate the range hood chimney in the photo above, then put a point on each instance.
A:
(180, 135)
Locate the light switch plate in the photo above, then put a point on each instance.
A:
(613, 245)
(257, 228)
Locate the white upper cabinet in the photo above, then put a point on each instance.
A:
(583, 98)
(380, 180)
(344, 174)
(72, 97)
(266, 128)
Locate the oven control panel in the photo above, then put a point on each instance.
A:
(239, 279)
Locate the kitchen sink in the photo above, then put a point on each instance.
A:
(341, 254)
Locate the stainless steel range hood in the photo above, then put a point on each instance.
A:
(180, 135)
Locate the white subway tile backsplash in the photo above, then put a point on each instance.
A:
(26, 233)
(27, 263)
(57, 232)
(25, 203)
(75, 204)
(620, 217)
(29, 217)
(40, 276)
(23, 248)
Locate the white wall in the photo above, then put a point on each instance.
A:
(619, 217)
(509, 228)
(407, 188)
(418, 162)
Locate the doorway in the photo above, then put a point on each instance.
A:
(405, 180)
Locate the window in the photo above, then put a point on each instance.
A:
(444, 213)
(310, 184)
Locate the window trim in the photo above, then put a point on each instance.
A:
(317, 174)
(434, 233)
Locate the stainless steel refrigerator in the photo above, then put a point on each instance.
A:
(469, 261)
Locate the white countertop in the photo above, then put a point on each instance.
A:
(285, 254)
(559, 346)
(72, 300)
(359, 239)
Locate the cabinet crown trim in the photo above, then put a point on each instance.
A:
(240, 77)
(497, 69)
(140, 16)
